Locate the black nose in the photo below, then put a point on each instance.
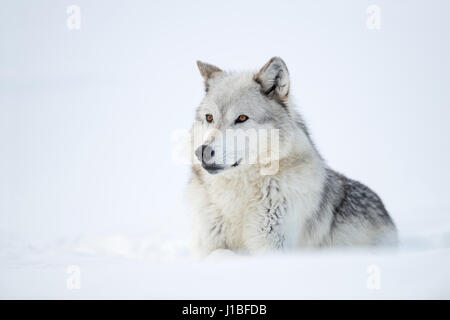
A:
(205, 153)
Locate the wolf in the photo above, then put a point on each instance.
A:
(301, 204)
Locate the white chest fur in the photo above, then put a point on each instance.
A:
(249, 212)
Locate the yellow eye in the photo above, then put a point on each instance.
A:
(209, 117)
(241, 118)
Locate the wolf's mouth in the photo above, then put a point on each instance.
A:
(214, 169)
(237, 163)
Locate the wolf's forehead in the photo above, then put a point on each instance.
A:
(235, 91)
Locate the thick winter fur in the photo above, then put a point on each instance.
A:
(303, 204)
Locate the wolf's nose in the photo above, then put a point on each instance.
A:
(205, 153)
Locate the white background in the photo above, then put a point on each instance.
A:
(87, 119)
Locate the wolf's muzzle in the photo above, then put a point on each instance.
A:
(205, 153)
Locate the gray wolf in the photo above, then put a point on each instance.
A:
(301, 204)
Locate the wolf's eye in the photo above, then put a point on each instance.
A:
(209, 117)
(241, 118)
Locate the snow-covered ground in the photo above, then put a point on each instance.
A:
(158, 265)
(91, 195)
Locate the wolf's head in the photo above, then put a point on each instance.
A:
(245, 118)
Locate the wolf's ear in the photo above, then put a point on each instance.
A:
(208, 71)
(274, 79)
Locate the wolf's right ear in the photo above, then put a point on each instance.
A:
(208, 71)
(274, 79)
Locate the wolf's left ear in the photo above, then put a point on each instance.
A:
(274, 79)
(208, 71)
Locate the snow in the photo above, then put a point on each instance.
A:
(88, 126)
(158, 264)
(121, 266)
